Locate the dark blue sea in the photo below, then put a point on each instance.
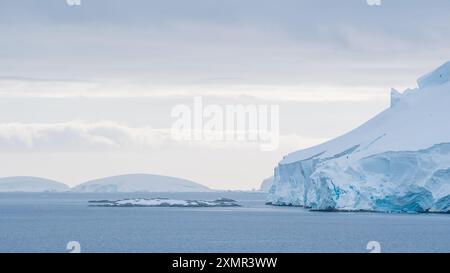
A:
(46, 222)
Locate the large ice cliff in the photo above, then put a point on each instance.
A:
(399, 161)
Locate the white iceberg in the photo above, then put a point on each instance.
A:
(399, 161)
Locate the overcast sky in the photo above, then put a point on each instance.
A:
(87, 91)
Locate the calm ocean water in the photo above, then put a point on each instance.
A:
(46, 222)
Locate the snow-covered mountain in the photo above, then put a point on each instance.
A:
(30, 184)
(266, 184)
(397, 161)
(140, 183)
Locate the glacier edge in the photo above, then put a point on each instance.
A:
(400, 181)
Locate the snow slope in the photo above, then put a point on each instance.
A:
(397, 161)
(140, 183)
(30, 184)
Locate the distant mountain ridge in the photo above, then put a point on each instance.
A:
(120, 183)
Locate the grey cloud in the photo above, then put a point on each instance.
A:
(76, 136)
(254, 41)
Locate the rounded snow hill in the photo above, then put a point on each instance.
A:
(266, 184)
(140, 183)
(30, 184)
